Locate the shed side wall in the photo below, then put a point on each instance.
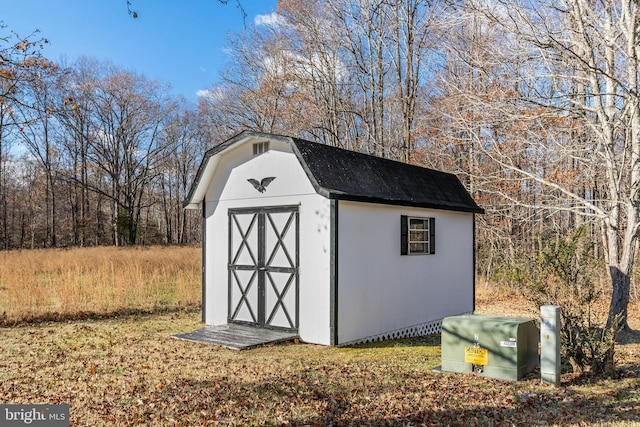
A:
(381, 291)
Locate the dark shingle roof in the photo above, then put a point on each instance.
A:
(348, 175)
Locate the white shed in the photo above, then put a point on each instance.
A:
(339, 246)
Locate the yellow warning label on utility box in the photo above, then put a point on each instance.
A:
(476, 355)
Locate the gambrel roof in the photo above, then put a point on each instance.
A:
(348, 175)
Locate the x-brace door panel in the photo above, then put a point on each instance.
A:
(243, 267)
(263, 266)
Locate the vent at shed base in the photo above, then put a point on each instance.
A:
(410, 332)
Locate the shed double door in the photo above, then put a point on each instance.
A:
(263, 266)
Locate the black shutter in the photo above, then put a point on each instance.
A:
(432, 235)
(404, 235)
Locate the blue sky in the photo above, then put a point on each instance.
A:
(176, 41)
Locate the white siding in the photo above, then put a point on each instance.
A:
(380, 290)
(229, 189)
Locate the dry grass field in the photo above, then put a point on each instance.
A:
(125, 369)
(73, 283)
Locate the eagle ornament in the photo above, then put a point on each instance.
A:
(261, 185)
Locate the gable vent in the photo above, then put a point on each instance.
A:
(260, 147)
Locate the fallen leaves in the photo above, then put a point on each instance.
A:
(129, 372)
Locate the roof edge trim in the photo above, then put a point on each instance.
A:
(189, 202)
(381, 201)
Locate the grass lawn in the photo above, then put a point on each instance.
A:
(129, 371)
(114, 363)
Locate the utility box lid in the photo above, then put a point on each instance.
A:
(496, 347)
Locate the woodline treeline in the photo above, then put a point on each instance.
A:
(534, 106)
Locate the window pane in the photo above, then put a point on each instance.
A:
(418, 224)
(418, 247)
(418, 236)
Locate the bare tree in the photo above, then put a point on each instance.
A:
(186, 146)
(363, 30)
(38, 133)
(18, 56)
(469, 102)
(78, 84)
(345, 72)
(6, 128)
(580, 67)
(260, 89)
(314, 39)
(128, 113)
(418, 35)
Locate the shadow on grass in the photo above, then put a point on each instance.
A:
(629, 336)
(91, 315)
(306, 399)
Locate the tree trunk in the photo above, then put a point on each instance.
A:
(621, 255)
(114, 219)
(618, 308)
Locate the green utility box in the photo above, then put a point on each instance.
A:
(496, 347)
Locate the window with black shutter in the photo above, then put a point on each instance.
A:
(417, 235)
